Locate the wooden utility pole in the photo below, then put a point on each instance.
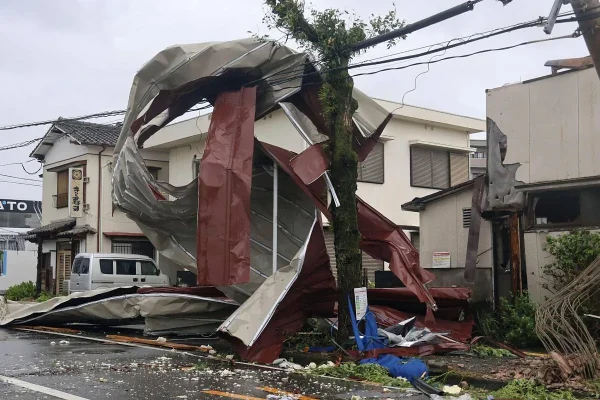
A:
(588, 15)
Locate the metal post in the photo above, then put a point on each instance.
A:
(586, 12)
(275, 207)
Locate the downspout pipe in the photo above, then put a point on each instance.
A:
(99, 222)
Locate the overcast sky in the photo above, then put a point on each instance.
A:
(69, 58)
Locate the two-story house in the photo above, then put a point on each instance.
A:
(543, 179)
(97, 227)
(420, 152)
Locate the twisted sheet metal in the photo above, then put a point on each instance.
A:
(562, 330)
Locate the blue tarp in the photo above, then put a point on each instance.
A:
(410, 369)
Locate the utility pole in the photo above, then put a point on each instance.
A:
(424, 23)
(588, 15)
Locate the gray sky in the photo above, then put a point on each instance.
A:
(70, 58)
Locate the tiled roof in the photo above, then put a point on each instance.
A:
(89, 133)
(53, 227)
(77, 230)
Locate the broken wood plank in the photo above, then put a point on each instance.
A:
(51, 329)
(149, 342)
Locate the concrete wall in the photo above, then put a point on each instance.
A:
(442, 230)
(20, 267)
(551, 125)
(186, 139)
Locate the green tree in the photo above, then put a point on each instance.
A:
(330, 35)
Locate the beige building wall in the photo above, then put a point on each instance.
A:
(442, 231)
(551, 125)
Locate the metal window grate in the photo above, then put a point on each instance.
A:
(466, 217)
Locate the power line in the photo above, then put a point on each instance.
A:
(434, 61)
(17, 163)
(17, 177)
(52, 121)
(20, 183)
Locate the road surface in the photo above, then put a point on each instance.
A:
(33, 368)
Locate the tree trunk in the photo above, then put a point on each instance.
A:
(339, 108)
(38, 279)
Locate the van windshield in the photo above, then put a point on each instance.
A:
(77, 266)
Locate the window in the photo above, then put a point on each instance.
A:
(141, 247)
(437, 169)
(62, 189)
(414, 239)
(372, 169)
(3, 263)
(148, 268)
(479, 154)
(85, 266)
(126, 267)
(565, 208)
(106, 267)
(77, 266)
(12, 242)
(154, 172)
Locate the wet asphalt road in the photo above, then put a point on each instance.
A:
(94, 371)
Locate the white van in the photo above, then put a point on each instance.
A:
(98, 271)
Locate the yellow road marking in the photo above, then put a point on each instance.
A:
(281, 392)
(231, 395)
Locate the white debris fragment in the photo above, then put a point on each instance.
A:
(161, 340)
(52, 343)
(212, 352)
(63, 342)
(455, 389)
(312, 365)
(279, 361)
(229, 357)
(330, 364)
(226, 373)
(183, 396)
(133, 365)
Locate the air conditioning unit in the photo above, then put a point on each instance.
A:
(86, 179)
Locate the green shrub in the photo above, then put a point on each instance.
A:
(22, 291)
(574, 252)
(516, 322)
(528, 390)
(44, 296)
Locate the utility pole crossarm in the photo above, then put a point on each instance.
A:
(424, 23)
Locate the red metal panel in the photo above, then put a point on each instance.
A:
(224, 191)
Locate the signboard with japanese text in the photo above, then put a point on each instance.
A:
(441, 259)
(360, 302)
(76, 192)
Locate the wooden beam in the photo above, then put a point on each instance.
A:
(515, 254)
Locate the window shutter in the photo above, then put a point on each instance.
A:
(466, 217)
(459, 168)
(440, 174)
(421, 166)
(372, 169)
(370, 265)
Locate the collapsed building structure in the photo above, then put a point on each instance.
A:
(250, 225)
